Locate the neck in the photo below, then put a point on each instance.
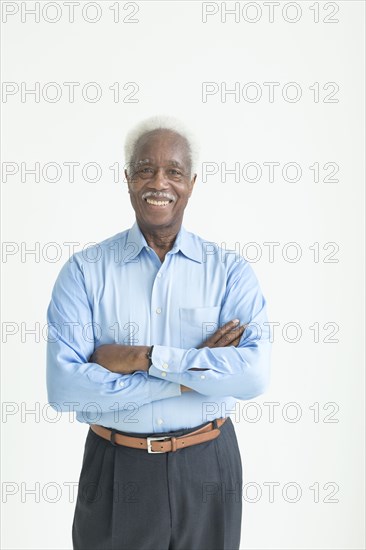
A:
(160, 239)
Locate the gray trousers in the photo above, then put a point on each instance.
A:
(190, 499)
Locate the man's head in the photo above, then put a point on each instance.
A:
(161, 158)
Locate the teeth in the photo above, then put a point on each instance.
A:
(157, 203)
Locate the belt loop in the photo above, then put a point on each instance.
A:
(112, 439)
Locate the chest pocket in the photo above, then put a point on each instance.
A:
(197, 324)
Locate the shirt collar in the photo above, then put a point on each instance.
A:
(185, 242)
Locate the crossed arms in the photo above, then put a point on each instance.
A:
(236, 361)
(129, 359)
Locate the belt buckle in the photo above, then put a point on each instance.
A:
(150, 439)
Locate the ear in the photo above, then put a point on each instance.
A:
(127, 179)
(192, 182)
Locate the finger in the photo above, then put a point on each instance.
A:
(235, 342)
(216, 339)
(227, 327)
(185, 388)
(229, 337)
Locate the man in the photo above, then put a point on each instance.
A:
(155, 333)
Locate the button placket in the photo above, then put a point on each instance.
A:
(157, 290)
(157, 317)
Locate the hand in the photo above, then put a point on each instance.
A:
(227, 335)
(120, 358)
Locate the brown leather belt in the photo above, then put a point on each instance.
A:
(162, 444)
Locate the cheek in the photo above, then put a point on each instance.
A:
(132, 186)
(133, 200)
(133, 190)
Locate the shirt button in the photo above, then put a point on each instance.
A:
(163, 374)
(147, 248)
(158, 310)
(202, 376)
(159, 275)
(121, 383)
(160, 421)
(165, 365)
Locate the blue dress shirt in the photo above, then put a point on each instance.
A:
(119, 291)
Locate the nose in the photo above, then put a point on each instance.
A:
(160, 180)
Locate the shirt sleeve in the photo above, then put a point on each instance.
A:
(71, 341)
(241, 371)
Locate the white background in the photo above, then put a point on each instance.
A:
(169, 52)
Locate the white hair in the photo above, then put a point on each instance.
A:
(161, 122)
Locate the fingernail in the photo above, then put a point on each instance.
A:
(236, 321)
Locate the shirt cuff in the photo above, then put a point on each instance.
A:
(167, 361)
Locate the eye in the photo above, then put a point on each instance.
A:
(175, 172)
(145, 172)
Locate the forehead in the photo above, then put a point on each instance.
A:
(160, 144)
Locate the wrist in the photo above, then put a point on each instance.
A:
(148, 356)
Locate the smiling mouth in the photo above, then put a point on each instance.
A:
(160, 203)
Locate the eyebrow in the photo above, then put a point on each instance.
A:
(170, 163)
